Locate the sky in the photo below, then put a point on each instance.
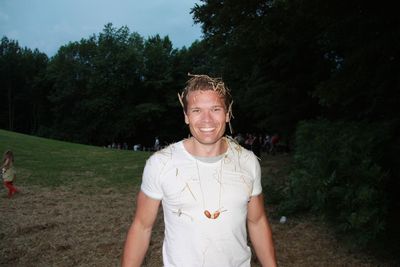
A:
(49, 24)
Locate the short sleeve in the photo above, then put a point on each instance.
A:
(257, 187)
(151, 183)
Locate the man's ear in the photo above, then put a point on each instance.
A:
(227, 117)
(186, 118)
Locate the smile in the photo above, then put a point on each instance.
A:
(207, 129)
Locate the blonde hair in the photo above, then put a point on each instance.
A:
(8, 159)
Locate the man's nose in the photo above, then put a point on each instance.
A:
(206, 115)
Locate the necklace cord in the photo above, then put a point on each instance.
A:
(216, 214)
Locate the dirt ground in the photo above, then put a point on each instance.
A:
(70, 227)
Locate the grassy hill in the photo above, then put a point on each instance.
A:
(46, 162)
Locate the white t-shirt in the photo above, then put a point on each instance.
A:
(187, 187)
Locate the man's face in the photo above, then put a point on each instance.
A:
(206, 115)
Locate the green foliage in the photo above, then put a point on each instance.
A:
(361, 41)
(285, 61)
(47, 162)
(338, 174)
(21, 90)
(275, 170)
(269, 53)
(288, 61)
(104, 87)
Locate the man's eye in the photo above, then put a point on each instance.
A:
(195, 110)
(216, 109)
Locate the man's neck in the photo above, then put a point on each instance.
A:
(205, 150)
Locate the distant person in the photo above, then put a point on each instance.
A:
(267, 143)
(274, 142)
(210, 190)
(156, 144)
(248, 142)
(240, 139)
(8, 173)
(256, 146)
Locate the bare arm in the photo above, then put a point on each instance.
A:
(260, 232)
(138, 237)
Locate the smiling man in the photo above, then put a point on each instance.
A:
(210, 190)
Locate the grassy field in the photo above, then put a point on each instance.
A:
(76, 204)
(53, 163)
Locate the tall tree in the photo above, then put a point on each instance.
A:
(10, 72)
(110, 87)
(19, 71)
(362, 41)
(268, 54)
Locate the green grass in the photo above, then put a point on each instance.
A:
(46, 162)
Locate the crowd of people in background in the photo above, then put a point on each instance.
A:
(259, 143)
(125, 146)
(137, 147)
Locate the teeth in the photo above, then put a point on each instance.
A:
(206, 129)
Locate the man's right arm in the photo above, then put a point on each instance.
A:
(139, 234)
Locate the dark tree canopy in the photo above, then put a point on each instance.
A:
(293, 60)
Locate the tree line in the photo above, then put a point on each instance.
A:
(111, 87)
(305, 69)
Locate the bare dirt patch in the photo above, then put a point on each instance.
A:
(308, 242)
(64, 227)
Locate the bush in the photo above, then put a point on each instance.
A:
(337, 173)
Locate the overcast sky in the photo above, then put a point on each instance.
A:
(49, 24)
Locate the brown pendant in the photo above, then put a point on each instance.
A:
(213, 216)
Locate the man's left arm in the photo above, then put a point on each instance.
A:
(260, 232)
